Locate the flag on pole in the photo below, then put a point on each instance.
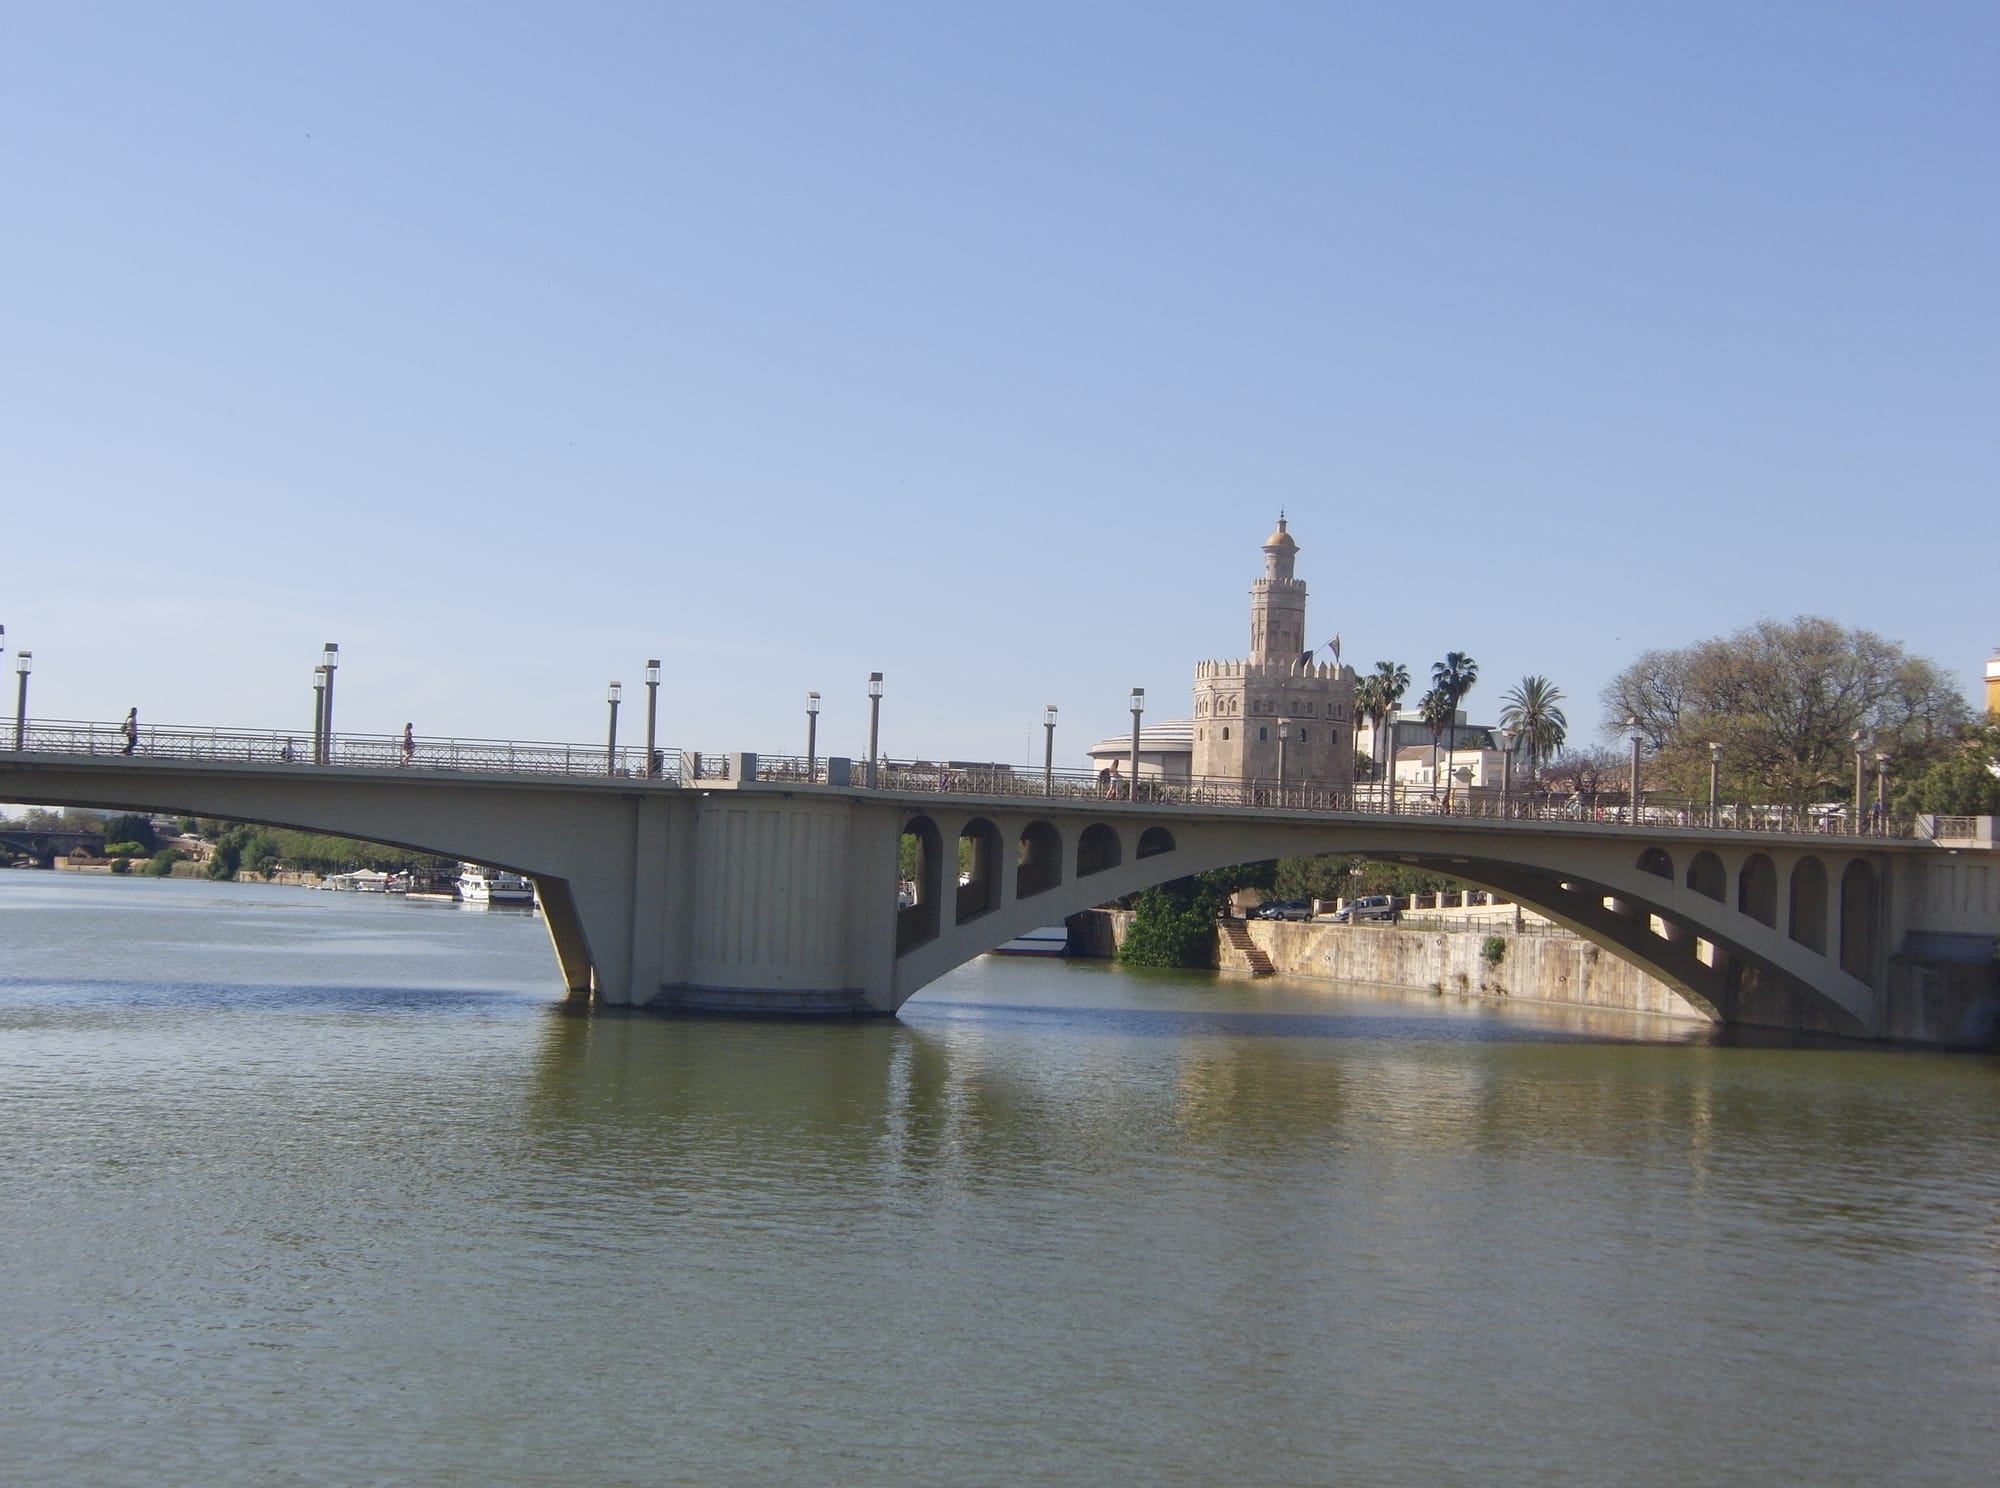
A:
(1334, 646)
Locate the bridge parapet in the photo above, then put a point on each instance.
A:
(1960, 831)
(240, 746)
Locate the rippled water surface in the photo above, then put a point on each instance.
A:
(316, 1189)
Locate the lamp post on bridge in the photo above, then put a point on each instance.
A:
(1881, 791)
(1859, 740)
(329, 663)
(1138, 708)
(1049, 750)
(1284, 738)
(611, 694)
(812, 737)
(652, 716)
(1714, 785)
(24, 663)
(874, 723)
(1506, 772)
(1632, 723)
(319, 715)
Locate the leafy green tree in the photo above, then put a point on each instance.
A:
(1173, 924)
(161, 864)
(1530, 710)
(1960, 784)
(1786, 701)
(131, 827)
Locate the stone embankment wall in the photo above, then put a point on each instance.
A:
(1534, 968)
(1953, 1005)
(1531, 968)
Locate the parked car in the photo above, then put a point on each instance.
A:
(1283, 909)
(1368, 907)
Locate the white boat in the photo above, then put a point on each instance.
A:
(481, 885)
(363, 881)
(1050, 940)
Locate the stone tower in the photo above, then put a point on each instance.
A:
(1239, 706)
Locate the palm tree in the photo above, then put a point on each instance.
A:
(1537, 722)
(1369, 708)
(1454, 677)
(1436, 710)
(1392, 680)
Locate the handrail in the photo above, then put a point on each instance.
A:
(675, 767)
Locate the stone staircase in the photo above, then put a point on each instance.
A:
(1236, 951)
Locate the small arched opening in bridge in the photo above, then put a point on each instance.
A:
(1707, 876)
(1757, 890)
(1154, 841)
(1038, 860)
(1654, 861)
(1860, 912)
(1096, 850)
(1808, 918)
(979, 870)
(921, 856)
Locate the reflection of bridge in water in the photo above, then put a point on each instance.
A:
(734, 883)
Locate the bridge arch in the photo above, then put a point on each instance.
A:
(1654, 860)
(1860, 915)
(1154, 841)
(1097, 850)
(917, 921)
(1706, 876)
(1757, 889)
(1807, 918)
(1038, 860)
(979, 886)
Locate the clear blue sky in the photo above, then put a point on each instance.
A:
(509, 345)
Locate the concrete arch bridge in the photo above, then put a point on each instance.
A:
(774, 890)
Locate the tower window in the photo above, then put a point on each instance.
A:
(1263, 735)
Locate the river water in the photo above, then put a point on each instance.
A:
(304, 1188)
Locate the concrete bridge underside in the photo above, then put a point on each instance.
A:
(765, 899)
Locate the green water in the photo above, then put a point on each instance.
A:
(303, 1188)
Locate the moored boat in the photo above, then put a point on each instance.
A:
(478, 884)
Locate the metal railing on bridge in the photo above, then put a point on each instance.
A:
(1032, 782)
(354, 751)
(671, 767)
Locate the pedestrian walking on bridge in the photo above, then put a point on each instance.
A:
(131, 730)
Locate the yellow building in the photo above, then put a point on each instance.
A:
(1993, 684)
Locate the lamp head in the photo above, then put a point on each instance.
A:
(611, 692)
(330, 655)
(1049, 715)
(874, 684)
(1138, 700)
(653, 672)
(812, 703)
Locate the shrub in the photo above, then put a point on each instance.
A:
(1494, 950)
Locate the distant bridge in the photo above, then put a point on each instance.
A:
(738, 884)
(48, 845)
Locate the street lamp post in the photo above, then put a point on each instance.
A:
(652, 717)
(1284, 738)
(874, 723)
(24, 663)
(319, 715)
(1714, 785)
(611, 692)
(1881, 790)
(812, 737)
(329, 662)
(1633, 724)
(1138, 707)
(1506, 772)
(1049, 750)
(1860, 742)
